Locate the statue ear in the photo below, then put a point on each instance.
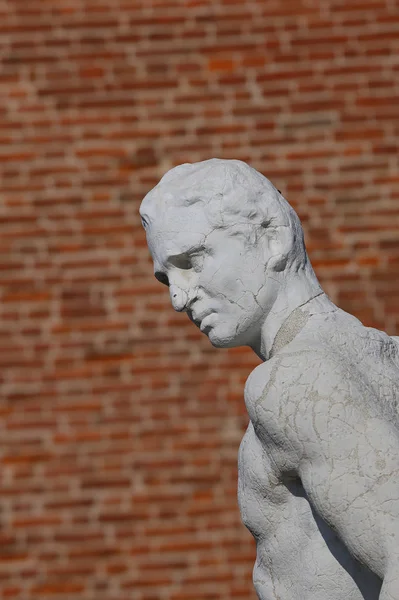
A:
(280, 242)
(278, 263)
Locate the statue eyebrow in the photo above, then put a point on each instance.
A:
(187, 251)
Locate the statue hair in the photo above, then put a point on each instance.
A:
(235, 197)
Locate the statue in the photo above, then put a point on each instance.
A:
(319, 464)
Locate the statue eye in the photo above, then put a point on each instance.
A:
(197, 261)
(191, 259)
(181, 261)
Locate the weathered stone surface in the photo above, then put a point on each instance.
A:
(319, 464)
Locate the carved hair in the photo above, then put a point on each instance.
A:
(235, 197)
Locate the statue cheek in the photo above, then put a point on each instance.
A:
(229, 285)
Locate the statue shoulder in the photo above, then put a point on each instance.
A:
(290, 370)
(258, 379)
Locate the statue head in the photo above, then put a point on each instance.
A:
(226, 242)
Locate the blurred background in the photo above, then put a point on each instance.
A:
(120, 423)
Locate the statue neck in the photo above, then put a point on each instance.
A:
(288, 314)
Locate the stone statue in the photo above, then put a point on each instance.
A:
(319, 464)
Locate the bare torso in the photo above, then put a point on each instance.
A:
(298, 553)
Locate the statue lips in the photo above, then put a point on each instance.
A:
(200, 319)
(204, 326)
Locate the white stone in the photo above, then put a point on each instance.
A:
(319, 464)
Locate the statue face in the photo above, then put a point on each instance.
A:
(218, 279)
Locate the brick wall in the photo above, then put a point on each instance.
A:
(119, 423)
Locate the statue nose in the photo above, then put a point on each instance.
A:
(178, 297)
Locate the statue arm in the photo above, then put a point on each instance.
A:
(350, 471)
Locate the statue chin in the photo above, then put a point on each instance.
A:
(223, 341)
(216, 340)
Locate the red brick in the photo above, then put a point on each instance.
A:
(11, 591)
(215, 64)
(50, 589)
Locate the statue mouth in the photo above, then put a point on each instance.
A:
(200, 319)
(206, 324)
